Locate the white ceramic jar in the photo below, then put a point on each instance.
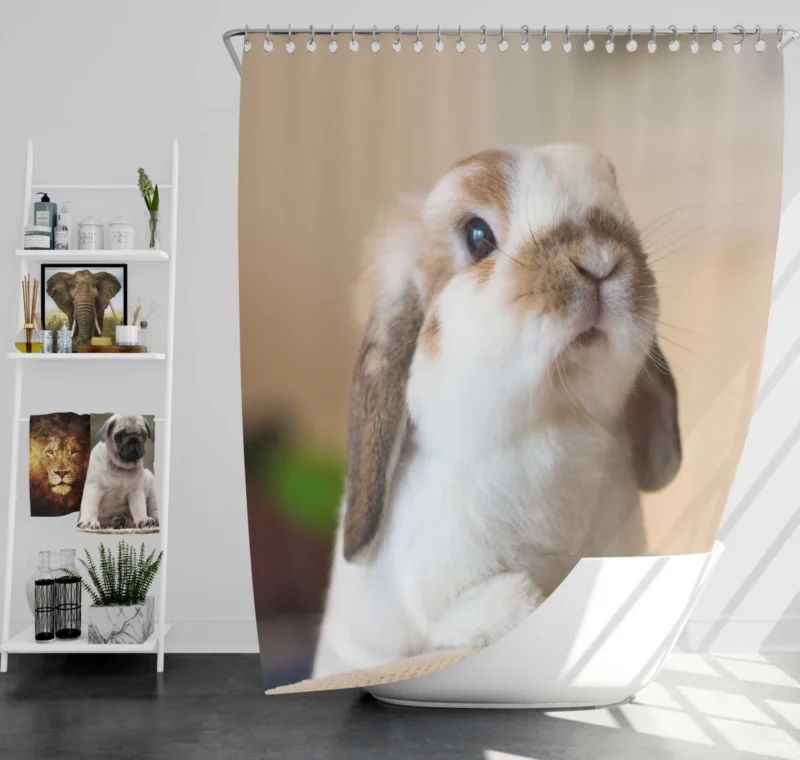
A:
(90, 235)
(121, 233)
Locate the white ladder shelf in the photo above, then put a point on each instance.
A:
(23, 642)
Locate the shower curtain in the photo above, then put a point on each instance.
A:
(565, 262)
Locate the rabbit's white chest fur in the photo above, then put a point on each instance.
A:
(471, 539)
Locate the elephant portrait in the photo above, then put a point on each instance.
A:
(84, 297)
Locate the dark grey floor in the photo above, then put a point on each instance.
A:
(211, 706)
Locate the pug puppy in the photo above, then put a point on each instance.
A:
(120, 492)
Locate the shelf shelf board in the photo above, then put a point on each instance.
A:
(24, 642)
(96, 257)
(99, 357)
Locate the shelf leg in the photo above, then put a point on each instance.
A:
(12, 512)
(166, 435)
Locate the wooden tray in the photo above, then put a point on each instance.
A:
(112, 350)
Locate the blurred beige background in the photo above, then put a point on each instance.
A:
(326, 141)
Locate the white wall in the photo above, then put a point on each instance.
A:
(120, 81)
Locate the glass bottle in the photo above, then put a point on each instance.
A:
(154, 229)
(68, 597)
(44, 594)
(29, 340)
(144, 335)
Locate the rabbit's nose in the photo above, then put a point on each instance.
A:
(590, 275)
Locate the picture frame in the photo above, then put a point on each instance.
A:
(60, 289)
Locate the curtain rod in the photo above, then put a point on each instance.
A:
(786, 36)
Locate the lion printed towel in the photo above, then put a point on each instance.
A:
(60, 445)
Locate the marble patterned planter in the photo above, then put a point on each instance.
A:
(121, 625)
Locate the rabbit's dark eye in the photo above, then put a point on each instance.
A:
(479, 237)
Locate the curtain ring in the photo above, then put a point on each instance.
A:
(567, 46)
(716, 42)
(333, 45)
(674, 44)
(526, 40)
(290, 41)
(482, 40)
(652, 46)
(417, 42)
(396, 44)
(311, 45)
(610, 41)
(547, 46)
(588, 46)
(737, 45)
(631, 45)
(268, 44)
(779, 43)
(353, 40)
(246, 46)
(460, 45)
(760, 45)
(439, 44)
(375, 46)
(695, 46)
(502, 46)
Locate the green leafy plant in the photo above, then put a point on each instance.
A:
(151, 200)
(149, 193)
(122, 580)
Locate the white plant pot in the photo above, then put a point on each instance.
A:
(132, 624)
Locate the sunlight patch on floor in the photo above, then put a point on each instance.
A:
(789, 711)
(710, 700)
(656, 695)
(767, 741)
(668, 724)
(689, 663)
(720, 704)
(756, 672)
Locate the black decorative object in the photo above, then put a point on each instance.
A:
(68, 598)
(45, 601)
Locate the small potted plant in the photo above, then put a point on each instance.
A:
(150, 195)
(121, 612)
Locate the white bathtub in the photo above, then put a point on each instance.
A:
(597, 640)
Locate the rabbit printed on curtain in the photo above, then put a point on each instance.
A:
(509, 382)
(561, 266)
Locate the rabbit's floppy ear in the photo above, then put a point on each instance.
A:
(378, 416)
(652, 422)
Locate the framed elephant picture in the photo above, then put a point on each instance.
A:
(91, 301)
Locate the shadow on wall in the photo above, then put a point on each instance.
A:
(735, 527)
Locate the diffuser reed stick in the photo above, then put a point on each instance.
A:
(29, 295)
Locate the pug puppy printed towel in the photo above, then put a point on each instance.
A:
(120, 491)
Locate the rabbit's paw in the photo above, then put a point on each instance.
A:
(485, 613)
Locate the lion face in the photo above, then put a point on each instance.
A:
(61, 459)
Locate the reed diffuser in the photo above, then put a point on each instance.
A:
(29, 340)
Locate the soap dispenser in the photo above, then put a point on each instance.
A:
(45, 213)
